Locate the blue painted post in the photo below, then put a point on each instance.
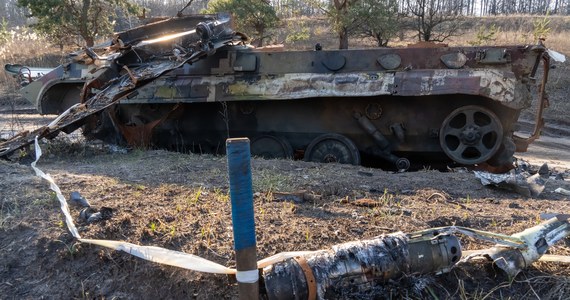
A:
(241, 194)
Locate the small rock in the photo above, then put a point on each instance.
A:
(514, 205)
(543, 171)
(365, 202)
(363, 173)
(399, 211)
(95, 217)
(562, 191)
(91, 215)
(78, 200)
(85, 213)
(296, 197)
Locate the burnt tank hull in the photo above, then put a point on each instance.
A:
(386, 106)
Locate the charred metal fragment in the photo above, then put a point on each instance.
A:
(25, 74)
(516, 180)
(360, 265)
(120, 88)
(542, 103)
(537, 240)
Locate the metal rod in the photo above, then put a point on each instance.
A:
(241, 194)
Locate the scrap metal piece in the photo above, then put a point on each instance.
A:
(520, 182)
(493, 56)
(542, 103)
(92, 215)
(77, 199)
(538, 239)
(121, 88)
(556, 56)
(562, 191)
(25, 74)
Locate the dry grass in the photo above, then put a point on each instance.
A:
(28, 49)
(511, 30)
(180, 202)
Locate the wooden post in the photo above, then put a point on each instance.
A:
(243, 222)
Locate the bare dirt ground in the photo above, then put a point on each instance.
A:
(180, 202)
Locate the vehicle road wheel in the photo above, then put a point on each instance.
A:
(471, 135)
(332, 147)
(269, 147)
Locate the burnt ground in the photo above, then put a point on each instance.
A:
(180, 202)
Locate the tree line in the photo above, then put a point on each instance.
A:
(433, 20)
(16, 15)
(291, 8)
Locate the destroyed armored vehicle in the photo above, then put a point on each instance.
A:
(188, 83)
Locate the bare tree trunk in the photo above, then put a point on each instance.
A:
(89, 41)
(84, 31)
(343, 39)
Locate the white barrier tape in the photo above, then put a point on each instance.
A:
(251, 276)
(154, 254)
(157, 254)
(55, 188)
(165, 256)
(281, 257)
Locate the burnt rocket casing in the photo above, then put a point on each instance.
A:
(360, 264)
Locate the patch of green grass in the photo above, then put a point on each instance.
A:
(46, 202)
(221, 196)
(308, 235)
(271, 180)
(5, 218)
(195, 197)
(10, 209)
(72, 249)
(207, 233)
(153, 227)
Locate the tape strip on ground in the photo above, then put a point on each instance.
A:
(151, 253)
